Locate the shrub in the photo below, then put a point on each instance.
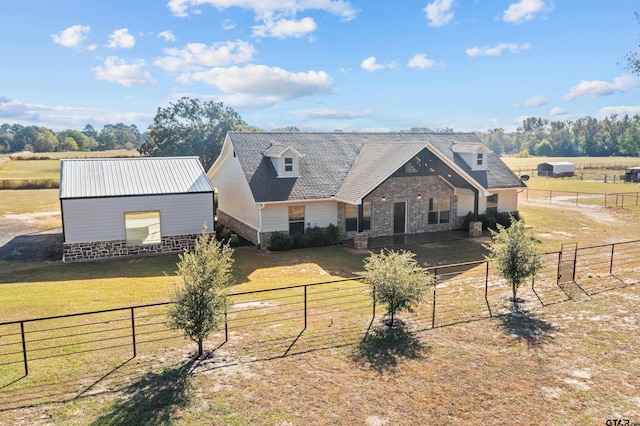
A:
(281, 242)
(333, 235)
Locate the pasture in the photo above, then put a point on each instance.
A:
(568, 362)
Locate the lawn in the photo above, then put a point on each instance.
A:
(569, 362)
(581, 162)
(28, 201)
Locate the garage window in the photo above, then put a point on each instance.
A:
(142, 228)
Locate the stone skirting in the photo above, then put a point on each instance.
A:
(245, 231)
(77, 252)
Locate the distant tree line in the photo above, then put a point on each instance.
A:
(586, 136)
(16, 138)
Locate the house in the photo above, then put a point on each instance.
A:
(132, 206)
(367, 184)
(556, 169)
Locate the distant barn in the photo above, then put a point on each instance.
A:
(115, 207)
(632, 174)
(556, 169)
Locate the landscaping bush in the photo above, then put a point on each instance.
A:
(281, 242)
(226, 235)
(333, 235)
(491, 220)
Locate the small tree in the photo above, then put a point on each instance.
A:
(396, 280)
(202, 298)
(516, 253)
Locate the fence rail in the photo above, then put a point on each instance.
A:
(461, 292)
(616, 199)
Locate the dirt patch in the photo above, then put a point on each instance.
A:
(24, 237)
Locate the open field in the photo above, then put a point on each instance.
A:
(569, 362)
(580, 162)
(75, 154)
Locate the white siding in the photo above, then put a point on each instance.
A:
(507, 200)
(234, 194)
(102, 219)
(275, 217)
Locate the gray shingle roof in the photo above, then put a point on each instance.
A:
(116, 177)
(347, 163)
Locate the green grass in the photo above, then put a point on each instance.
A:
(576, 185)
(581, 162)
(35, 169)
(26, 201)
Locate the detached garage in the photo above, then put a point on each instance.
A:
(132, 206)
(556, 169)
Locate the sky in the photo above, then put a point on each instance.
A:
(320, 65)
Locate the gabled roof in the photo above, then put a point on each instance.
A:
(468, 148)
(277, 150)
(343, 165)
(117, 177)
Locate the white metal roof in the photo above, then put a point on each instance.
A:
(118, 177)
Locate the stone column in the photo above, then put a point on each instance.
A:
(361, 240)
(475, 229)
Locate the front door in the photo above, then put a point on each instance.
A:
(399, 217)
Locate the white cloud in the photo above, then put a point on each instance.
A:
(371, 64)
(268, 8)
(327, 113)
(72, 36)
(621, 110)
(557, 111)
(196, 56)
(269, 84)
(524, 10)
(420, 61)
(285, 28)
(167, 35)
(228, 24)
(597, 88)
(535, 101)
(119, 71)
(121, 38)
(439, 12)
(497, 50)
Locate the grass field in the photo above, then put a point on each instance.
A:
(569, 362)
(580, 162)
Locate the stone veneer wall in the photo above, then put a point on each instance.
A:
(245, 231)
(398, 189)
(76, 252)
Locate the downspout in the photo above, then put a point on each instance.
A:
(260, 207)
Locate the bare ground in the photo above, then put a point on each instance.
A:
(27, 237)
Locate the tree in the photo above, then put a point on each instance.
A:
(202, 298)
(633, 58)
(396, 280)
(515, 253)
(191, 127)
(543, 149)
(68, 144)
(82, 141)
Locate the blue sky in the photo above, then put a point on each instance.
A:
(375, 65)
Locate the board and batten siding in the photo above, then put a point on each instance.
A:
(275, 217)
(102, 219)
(234, 195)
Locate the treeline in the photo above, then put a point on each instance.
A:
(586, 137)
(16, 138)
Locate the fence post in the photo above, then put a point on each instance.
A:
(613, 246)
(374, 303)
(605, 200)
(433, 312)
(24, 349)
(486, 287)
(550, 196)
(133, 332)
(226, 326)
(305, 307)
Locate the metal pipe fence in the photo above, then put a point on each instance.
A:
(461, 292)
(619, 199)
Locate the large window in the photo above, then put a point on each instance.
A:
(296, 220)
(439, 210)
(492, 203)
(352, 217)
(142, 228)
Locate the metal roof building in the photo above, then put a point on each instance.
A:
(132, 206)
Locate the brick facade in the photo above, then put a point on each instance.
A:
(415, 191)
(242, 229)
(77, 252)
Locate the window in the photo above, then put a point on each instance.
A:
(296, 220)
(439, 210)
(352, 215)
(479, 159)
(492, 203)
(142, 228)
(288, 164)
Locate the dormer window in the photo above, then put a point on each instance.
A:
(285, 160)
(479, 159)
(474, 154)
